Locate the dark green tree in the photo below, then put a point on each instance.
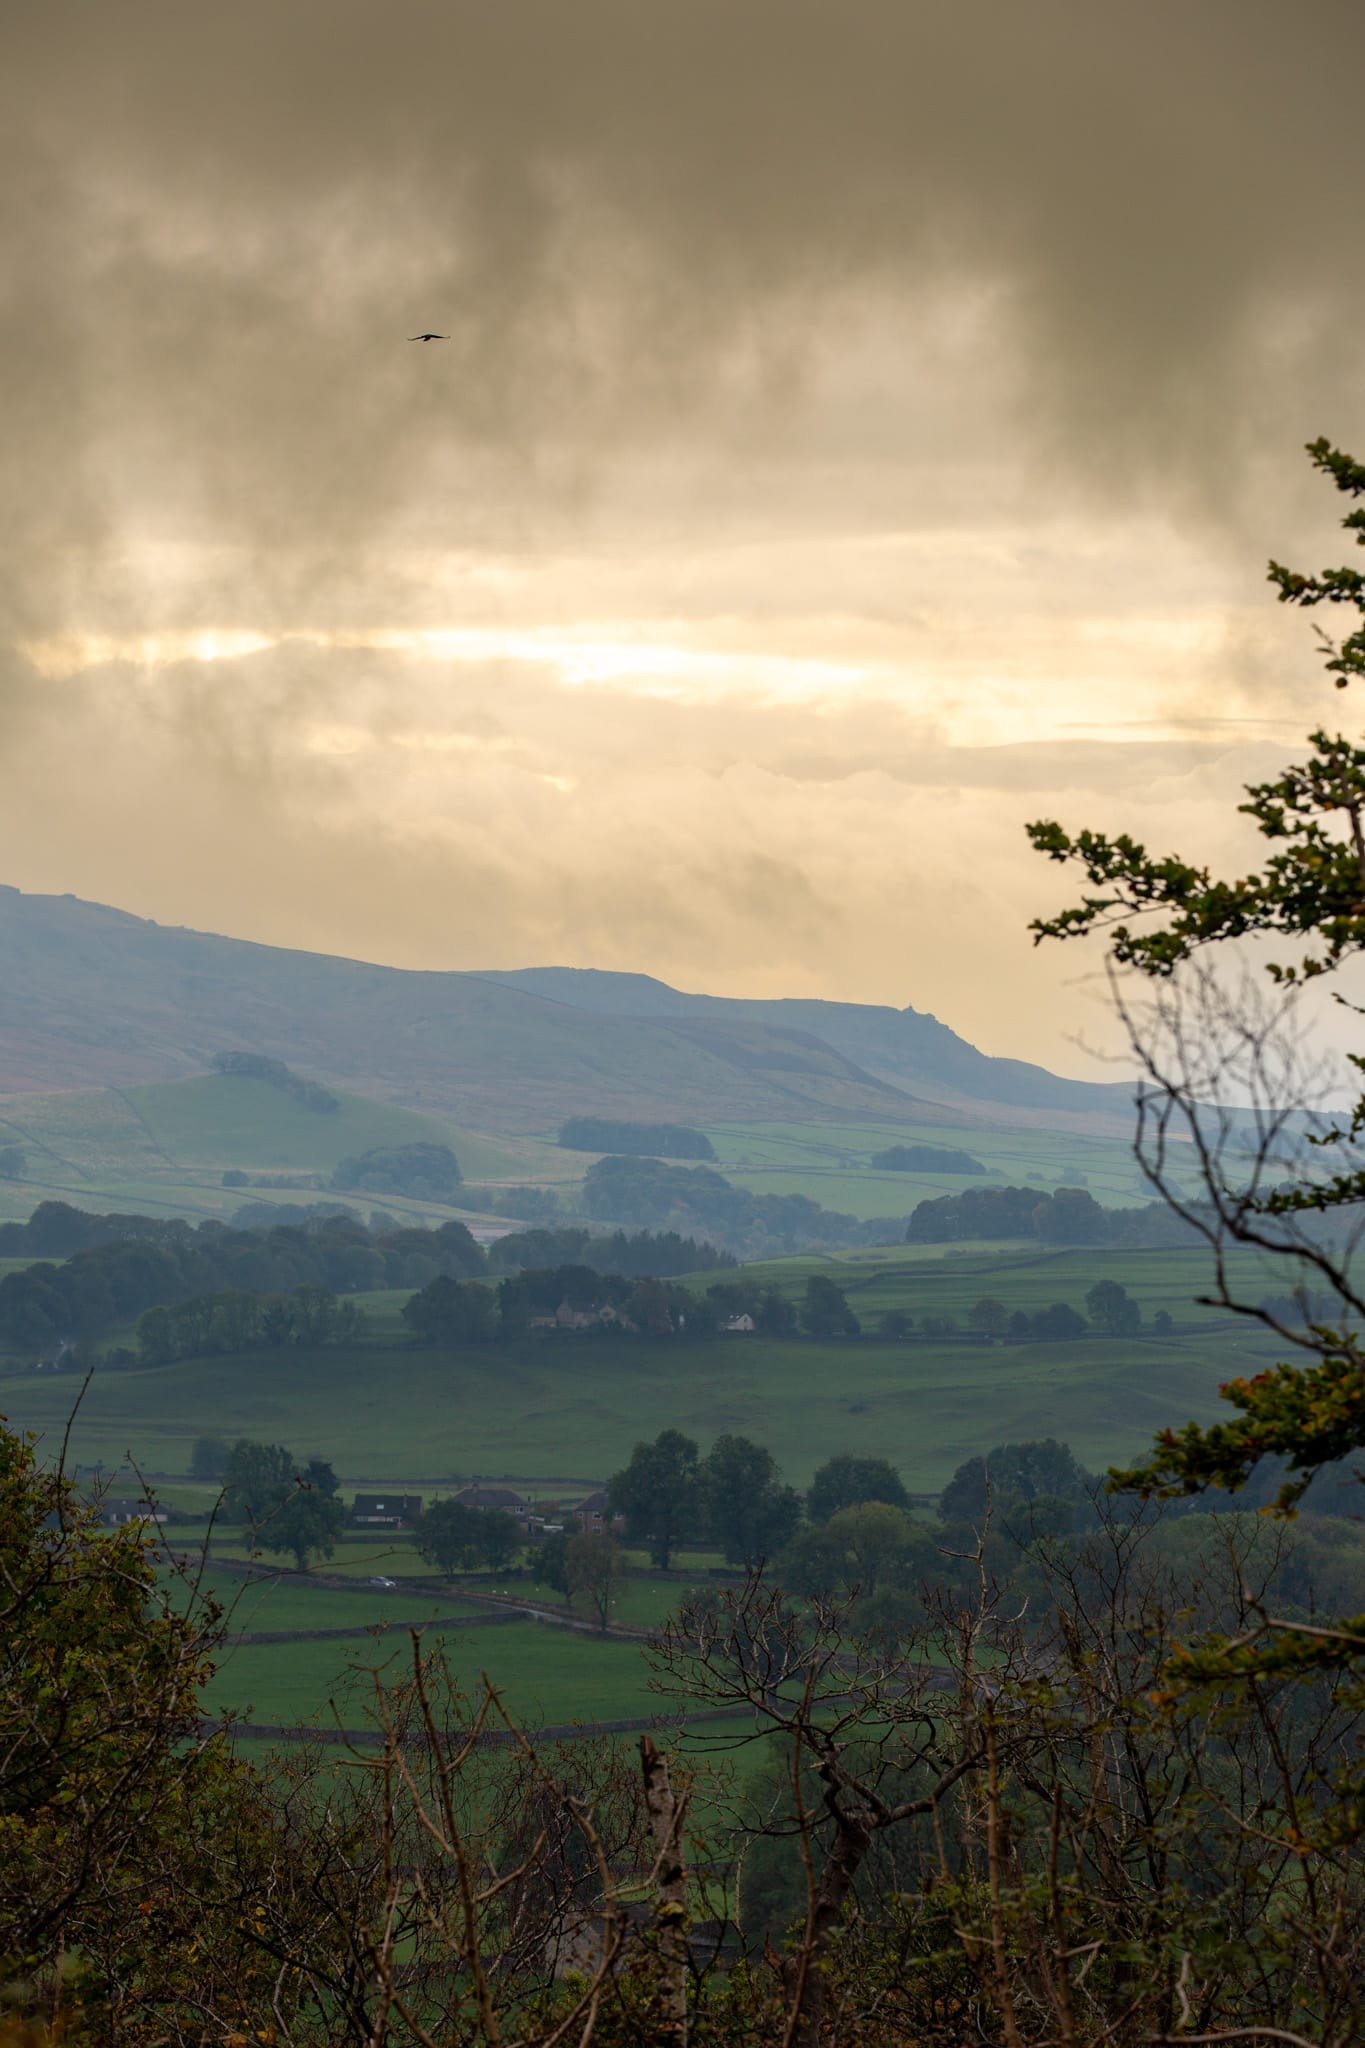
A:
(450, 1536)
(501, 1538)
(1111, 1308)
(548, 1566)
(847, 1482)
(990, 1315)
(594, 1572)
(1071, 1217)
(256, 1479)
(209, 1458)
(744, 1505)
(859, 1550)
(1041, 1468)
(659, 1494)
(452, 1313)
(825, 1311)
(1058, 1323)
(101, 1661)
(305, 1521)
(775, 1315)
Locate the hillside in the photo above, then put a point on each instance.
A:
(92, 997)
(908, 1048)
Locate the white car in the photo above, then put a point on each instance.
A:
(385, 1585)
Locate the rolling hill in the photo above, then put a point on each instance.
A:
(92, 997)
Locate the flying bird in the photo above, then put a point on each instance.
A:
(428, 337)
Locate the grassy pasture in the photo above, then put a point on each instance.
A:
(546, 1675)
(289, 1603)
(644, 1601)
(163, 1149)
(534, 1409)
(832, 1163)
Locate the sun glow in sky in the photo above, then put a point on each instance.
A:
(862, 430)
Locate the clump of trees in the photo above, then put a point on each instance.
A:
(639, 1254)
(115, 1267)
(850, 1482)
(216, 1325)
(458, 1538)
(1111, 1308)
(1068, 1215)
(619, 1134)
(254, 1066)
(698, 1201)
(926, 1159)
(668, 1494)
(424, 1172)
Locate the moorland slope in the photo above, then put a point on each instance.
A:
(93, 997)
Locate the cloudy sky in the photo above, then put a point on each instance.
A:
(863, 428)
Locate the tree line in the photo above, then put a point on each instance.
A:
(90, 1272)
(115, 1267)
(459, 1313)
(620, 1134)
(228, 1323)
(698, 1201)
(255, 1066)
(1069, 1216)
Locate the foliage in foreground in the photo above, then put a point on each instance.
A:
(962, 1826)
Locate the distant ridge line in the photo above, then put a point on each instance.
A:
(93, 998)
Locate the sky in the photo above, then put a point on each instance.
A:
(863, 428)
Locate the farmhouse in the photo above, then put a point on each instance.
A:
(385, 1510)
(116, 1512)
(567, 1317)
(504, 1497)
(593, 1512)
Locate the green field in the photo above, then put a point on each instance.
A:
(552, 1407)
(831, 1163)
(163, 1149)
(948, 1279)
(264, 1605)
(546, 1675)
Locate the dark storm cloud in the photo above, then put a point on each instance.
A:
(222, 221)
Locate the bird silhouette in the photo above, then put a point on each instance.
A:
(428, 337)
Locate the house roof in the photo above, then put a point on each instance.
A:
(490, 1497)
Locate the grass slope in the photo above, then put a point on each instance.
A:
(164, 1148)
